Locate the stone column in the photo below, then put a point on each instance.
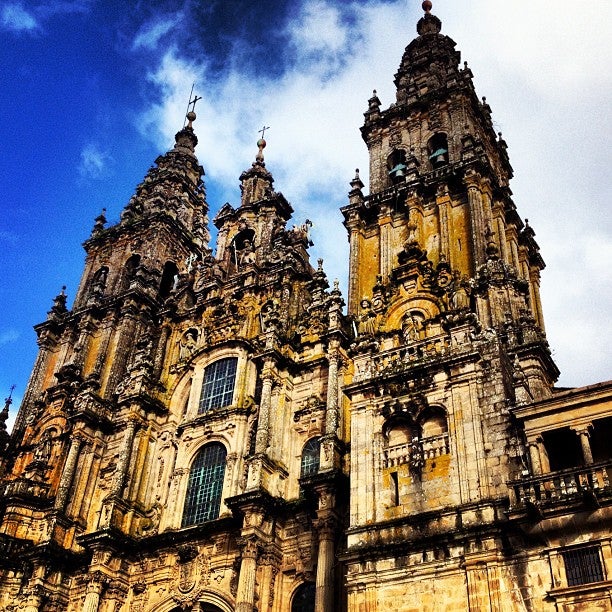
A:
(125, 455)
(106, 334)
(328, 450)
(584, 434)
(68, 472)
(477, 223)
(123, 349)
(263, 424)
(544, 462)
(534, 455)
(500, 227)
(385, 242)
(81, 347)
(443, 201)
(245, 596)
(333, 411)
(94, 591)
(354, 257)
(33, 598)
(160, 352)
(324, 597)
(536, 302)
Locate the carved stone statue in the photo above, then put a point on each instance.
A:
(42, 451)
(247, 253)
(188, 344)
(459, 296)
(367, 319)
(412, 328)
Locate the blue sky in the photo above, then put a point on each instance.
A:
(94, 90)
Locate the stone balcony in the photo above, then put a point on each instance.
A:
(427, 448)
(587, 485)
(396, 360)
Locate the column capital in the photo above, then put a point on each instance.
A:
(584, 429)
(251, 547)
(327, 526)
(472, 179)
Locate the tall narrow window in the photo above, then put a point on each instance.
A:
(310, 457)
(583, 565)
(438, 150)
(205, 485)
(396, 165)
(129, 271)
(168, 280)
(395, 488)
(218, 386)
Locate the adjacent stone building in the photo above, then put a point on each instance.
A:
(211, 430)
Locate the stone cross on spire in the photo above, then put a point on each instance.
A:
(261, 144)
(190, 115)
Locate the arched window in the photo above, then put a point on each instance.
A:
(98, 283)
(400, 436)
(218, 385)
(396, 165)
(438, 150)
(434, 425)
(310, 457)
(401, 433)
(169, 276)
(304, 598)
(205, 485)
(129, 271)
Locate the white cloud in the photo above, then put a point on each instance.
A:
(150, 33)
(8, 335)
(319, 36)
(94, 161)
(542, 68)
(15, 17)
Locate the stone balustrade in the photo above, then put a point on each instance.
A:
(432, 447)
(575, 484)
(435, 446)
(399, 359)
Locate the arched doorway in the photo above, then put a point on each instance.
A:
(304, 598)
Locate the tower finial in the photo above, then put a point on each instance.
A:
(190, 114)
(261, 144)
(428, 24)
(9, 400)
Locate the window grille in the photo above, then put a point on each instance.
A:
(218, 385)
(205, 485)
(583, 565)
(310, 457)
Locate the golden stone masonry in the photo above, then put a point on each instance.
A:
(212, 430)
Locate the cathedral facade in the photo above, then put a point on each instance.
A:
(218, 429)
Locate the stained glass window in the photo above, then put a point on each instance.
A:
(218, 385)
(205, 485)
(310, 457)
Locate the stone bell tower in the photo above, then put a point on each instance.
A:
(444, 294)
(439, 230)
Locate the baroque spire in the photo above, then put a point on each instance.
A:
(174, 185)
(256, 182)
